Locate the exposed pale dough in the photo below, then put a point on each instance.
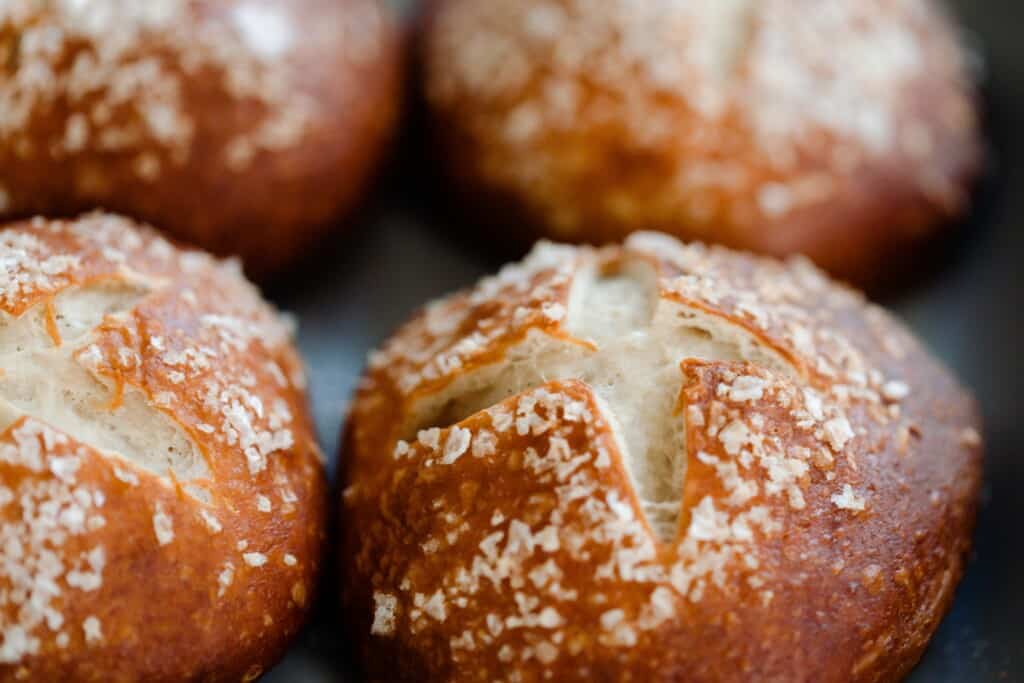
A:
(46, 381)
(640, 339)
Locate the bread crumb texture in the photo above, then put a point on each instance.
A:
(151, 410)
(654, 461)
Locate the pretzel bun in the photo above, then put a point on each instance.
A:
(161, 493)
(844, 132)
(247, 127)
(654, 462)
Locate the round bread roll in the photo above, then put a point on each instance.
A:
(845, 132)
(654, 462)
(162, 497)
(247, 127)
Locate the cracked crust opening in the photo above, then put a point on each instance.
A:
(43, 378)
(159, 480)
(653, 461)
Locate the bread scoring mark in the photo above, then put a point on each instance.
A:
(756, 440)
(114, 373)
(626, 343)
(577, 505)
(54, 383)
(519, 497)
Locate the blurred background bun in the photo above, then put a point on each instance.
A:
(246, 127)
(842, 130)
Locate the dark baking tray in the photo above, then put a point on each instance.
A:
(968, 305)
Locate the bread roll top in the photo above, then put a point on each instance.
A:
(657, 461)
(161, 492)
(218, 122)
(845, 133)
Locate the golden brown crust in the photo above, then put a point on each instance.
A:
(825, 512)
(247, 128)
(112, 569)
(848, 136)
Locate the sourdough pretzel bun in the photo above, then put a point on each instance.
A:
(654, 462)
(161, 493)
(247, 127)
(845, 132)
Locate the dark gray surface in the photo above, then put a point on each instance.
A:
(970, 310)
